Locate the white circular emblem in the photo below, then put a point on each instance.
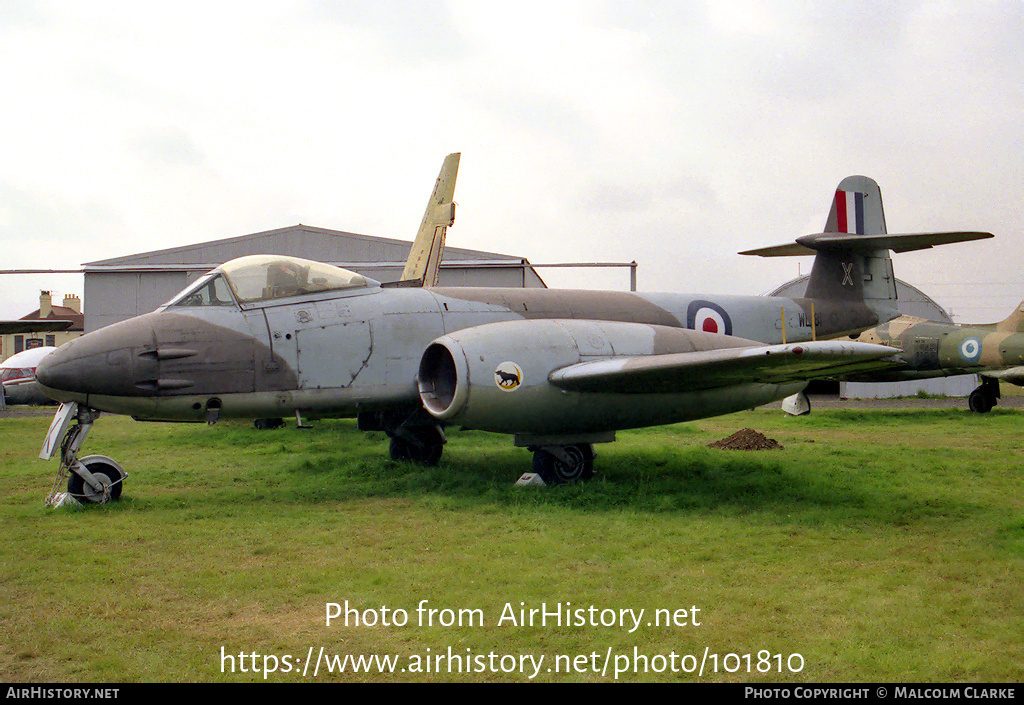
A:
(970, 350)
(508, 376)
(709, 321)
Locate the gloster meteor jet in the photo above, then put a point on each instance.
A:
(268, 336)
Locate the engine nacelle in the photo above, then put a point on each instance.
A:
(494, 377)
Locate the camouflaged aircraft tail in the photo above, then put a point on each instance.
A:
(852, 260)
(425, 255)
(1014, 323)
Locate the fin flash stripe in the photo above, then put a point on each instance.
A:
(850, 212)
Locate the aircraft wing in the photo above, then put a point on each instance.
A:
(1014, 375)
(33, 326)
(692, 371)
(428, 247)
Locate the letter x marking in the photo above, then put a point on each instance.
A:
(847, 277)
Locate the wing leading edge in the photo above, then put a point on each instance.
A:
(692, 371)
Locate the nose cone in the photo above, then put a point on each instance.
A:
(48, 376)
(99, 363)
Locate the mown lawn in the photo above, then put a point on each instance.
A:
(875, 546)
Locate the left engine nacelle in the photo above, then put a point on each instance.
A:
(494, 377)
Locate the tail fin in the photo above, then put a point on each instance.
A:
(856, 208)
(858, 272)
(1014, 323)
(851, 256)
(425, 255)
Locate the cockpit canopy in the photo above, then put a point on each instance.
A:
(266, 277)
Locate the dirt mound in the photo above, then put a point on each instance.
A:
(746, 439)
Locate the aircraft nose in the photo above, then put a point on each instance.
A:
(47, 374)
(100, 362)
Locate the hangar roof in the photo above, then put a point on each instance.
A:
(911, 301)
(295, 241)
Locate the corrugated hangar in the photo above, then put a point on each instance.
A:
(911, 301)
(121, 288)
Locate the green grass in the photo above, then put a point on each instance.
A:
(878, 545)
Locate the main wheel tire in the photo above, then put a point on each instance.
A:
(577, 466)
(108, 475)
(428, 452)
(980, 401)
(268, 424)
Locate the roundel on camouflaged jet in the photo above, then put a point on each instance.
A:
(709, 317)
(970, 350)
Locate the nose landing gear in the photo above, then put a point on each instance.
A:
(92, 479)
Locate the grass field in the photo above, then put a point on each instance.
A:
(876, 546)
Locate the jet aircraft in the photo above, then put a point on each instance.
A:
(267, 336)
(928, 348)
(18, 375)
(995, 351)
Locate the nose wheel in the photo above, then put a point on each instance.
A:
(424, 448)
(92, 479)
(414, 436)
(107, 481)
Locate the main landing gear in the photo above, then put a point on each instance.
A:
(559, 465)
(415, 437)
(984, 397)
(92, 479)
(422, 446)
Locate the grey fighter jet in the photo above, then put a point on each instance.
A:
(269, 336)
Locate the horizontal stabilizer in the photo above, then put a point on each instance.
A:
(712, 369)
(897, 242)
(34, 326)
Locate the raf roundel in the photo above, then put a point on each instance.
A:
(970, 350)
(708, 317)
(508, 376)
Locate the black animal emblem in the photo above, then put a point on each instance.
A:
(507, 380)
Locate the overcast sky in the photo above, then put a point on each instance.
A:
(670, 133)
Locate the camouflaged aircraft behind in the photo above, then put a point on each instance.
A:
(268, 336)
(995, 351)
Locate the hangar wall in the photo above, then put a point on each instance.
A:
(910, 301)
(956, 386)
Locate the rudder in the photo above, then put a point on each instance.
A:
(856, 208)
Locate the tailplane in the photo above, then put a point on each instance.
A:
(851, 256)
(425, 256)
